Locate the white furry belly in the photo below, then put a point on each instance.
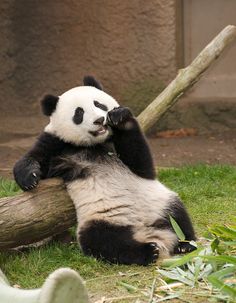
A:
(116, 194)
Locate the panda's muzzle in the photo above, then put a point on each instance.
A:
(101, 130)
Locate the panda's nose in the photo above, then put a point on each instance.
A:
(99, 121)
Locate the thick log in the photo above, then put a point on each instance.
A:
(48, 210)
(35, 215)
(186, 78)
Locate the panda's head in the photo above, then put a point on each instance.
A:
(79, 116)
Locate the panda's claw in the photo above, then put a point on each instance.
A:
(34, 175)
(119, 116)
(184, 247)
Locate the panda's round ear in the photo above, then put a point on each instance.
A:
(91, 81)
(48, 104)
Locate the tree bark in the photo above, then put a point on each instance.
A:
(35, 215)
(48, 210)
(186, 78)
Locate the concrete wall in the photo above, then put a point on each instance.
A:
(47, 47)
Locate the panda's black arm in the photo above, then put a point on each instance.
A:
(130, 143)
(34, 165)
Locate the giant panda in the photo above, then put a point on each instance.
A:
(99, 150)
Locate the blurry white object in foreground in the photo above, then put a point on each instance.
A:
(64, 285)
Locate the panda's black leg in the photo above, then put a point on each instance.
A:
(180, 214)
(116, 244)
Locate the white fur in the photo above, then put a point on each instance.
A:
(114, 194)
(61, 121)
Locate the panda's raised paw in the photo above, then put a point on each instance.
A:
(120, 117)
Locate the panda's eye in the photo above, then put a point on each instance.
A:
(78, 116)
(100, 105)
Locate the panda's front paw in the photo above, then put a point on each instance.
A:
(27, 173)
(121, 118)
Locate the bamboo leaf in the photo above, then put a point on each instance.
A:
(221, 259)
(222, 287)
(214, 244)
(129, 287)
(224, 232)
(224, 272)
(177, 276)
(177, 229)
(183, 260)
(169, 297)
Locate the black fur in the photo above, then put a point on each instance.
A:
(163, 223)
(179, 213)
(27, 172)
(49, 104)
(100, 105)
(183, 248)
(65, 168)
(116, 244)
(78, 116)
(130, 143)
(91, 81)
(35, 164)
(48, 153)
(99, 121)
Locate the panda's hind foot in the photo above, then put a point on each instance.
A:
(184, 248)
(151, 252)
(143, 254)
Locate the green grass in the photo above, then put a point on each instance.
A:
(209, 193)
(8, 188)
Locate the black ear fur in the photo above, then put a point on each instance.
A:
(48, 104)
(91, 81)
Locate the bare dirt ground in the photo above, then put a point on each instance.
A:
(19, 135)
(217, 148)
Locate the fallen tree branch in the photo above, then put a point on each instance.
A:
(48, 210)
(186, 78)
(35, 215)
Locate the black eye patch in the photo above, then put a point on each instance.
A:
(100, 105)
(78, 116)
